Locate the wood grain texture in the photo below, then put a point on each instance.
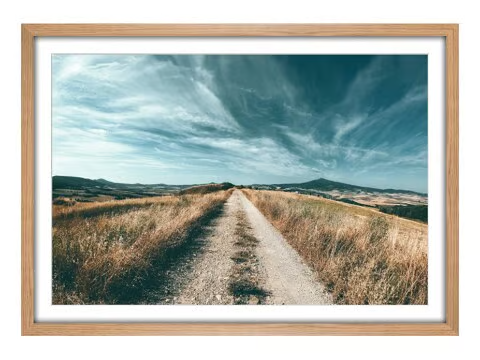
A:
(452, 212)
(448, 31)
(242, 30)
(28, 179)
(240, 329)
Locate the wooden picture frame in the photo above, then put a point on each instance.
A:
(32, 31)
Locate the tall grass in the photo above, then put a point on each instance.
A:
(363, 256)
(111, 252)
(70, 208)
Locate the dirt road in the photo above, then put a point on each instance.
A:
(243, 259)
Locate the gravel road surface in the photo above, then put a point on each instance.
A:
(281, 271)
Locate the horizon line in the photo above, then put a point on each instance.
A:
(252, 184)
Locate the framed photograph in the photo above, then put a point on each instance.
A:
(251, 179)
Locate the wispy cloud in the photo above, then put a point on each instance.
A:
(245, 119)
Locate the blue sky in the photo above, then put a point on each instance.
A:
(244, 119)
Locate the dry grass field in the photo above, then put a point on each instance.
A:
(111, 252)
(70, 208)
(361, 255)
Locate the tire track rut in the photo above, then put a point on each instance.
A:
(245, 260)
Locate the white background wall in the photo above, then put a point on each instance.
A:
(12, 14)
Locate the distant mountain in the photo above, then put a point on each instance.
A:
(208, 188)
(87, 190)
(73, 182)
(328, 185)
(318, 185)
(103, 181)
(79, 183)
(123, 185)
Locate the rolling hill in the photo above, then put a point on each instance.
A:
(404, 203)
(328, 185)
(87, 190)
(205, 189)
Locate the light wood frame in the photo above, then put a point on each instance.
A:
(32, 31)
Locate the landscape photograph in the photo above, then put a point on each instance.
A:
(239, 179)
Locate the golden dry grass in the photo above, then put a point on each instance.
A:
(86, 209)
(362, 256)
(108, 252)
